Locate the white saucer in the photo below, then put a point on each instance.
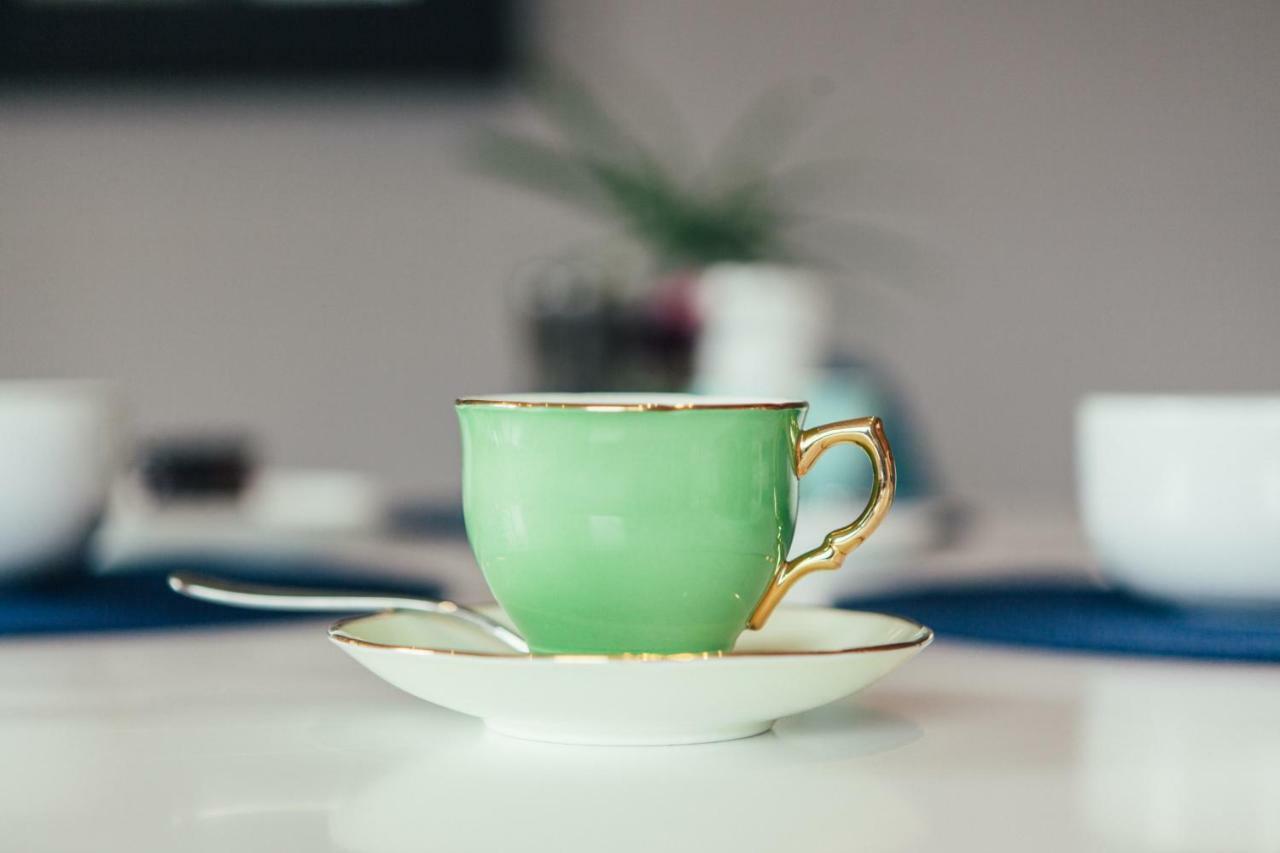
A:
(805, 657)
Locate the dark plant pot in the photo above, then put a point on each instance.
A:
(612, 347)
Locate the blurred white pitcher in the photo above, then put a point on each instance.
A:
(1180, 494)
(59, 448)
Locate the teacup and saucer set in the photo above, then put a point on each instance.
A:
(638, 544)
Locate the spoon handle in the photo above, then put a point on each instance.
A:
(264, 597)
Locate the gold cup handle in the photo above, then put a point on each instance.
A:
(867, 433)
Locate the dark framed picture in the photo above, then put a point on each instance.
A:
(175, 40)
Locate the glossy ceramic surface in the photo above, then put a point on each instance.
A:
(804, 658)
(634, 525)
(1180, 495)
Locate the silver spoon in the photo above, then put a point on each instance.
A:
(262, 597)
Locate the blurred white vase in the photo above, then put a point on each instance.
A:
(59, 449)
(764, 330)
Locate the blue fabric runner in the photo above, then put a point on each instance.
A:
(136, 596)
(1049, 614)
(1077, 616)
(141, 599)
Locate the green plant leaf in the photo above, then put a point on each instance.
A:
(539, 167)
(735, 211)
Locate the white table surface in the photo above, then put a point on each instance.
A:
(248, 739)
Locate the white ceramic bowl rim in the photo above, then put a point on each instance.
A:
(339, 633)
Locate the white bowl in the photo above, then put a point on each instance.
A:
(1180, 494)
(58, 451)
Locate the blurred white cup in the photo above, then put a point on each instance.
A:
(1180, 494)
(59, 449)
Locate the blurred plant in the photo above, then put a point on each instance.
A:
(731, 209)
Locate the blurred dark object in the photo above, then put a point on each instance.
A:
(614, 348)
(426, 519)
(1073, 615)
(586, 336)
(89, 40)
(198, 467)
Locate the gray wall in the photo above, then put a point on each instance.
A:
(1070, 196)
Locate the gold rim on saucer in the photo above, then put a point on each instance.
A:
(336, 634)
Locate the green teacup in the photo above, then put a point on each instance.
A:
(647, 524)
